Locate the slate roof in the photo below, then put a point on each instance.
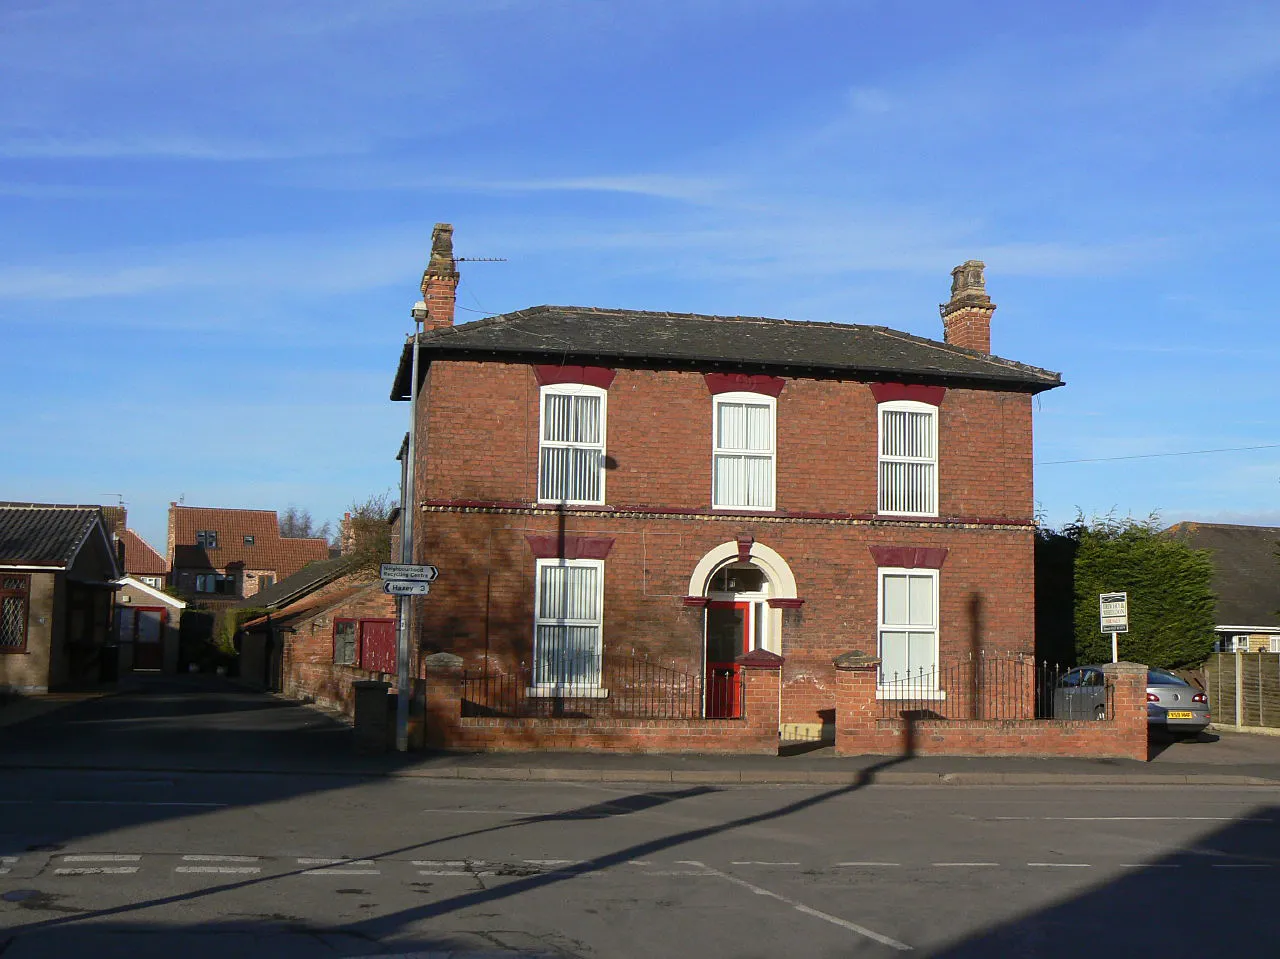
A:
(35, 534)
(306, 607)
(291, 588)
(139, 558)
(1246, 574)
(596, 336)
(269, 551)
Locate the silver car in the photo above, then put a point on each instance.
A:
(1173, 704)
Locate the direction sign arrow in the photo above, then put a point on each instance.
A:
(410, 571)
(405, 587)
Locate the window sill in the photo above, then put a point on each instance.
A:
(883, 512)
(894, 693)
(566, 692)
(745, 509)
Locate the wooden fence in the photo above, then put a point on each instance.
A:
(1244, 688)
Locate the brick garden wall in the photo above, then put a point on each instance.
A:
(860, 731)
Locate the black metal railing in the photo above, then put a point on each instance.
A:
(993, 686)
(629, 686)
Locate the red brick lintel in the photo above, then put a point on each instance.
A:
(569, 546)
(744, 383)
(548, 375)
(909, 557)
(889, 392)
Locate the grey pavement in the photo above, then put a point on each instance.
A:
(209, 724)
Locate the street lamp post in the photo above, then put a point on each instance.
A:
(407, 510)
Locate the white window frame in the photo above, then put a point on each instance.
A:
(585, 689)
(718, 452)
(571, 389)
(906, 406)
(912, 690)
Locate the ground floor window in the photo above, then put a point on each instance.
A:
(345, 646)
(568, 622)
(908, 625)
(15, 589)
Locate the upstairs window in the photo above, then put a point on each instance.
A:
(14, 598)
(908, 467)
(208, 538)
(248, 541)
(568, 622)
(571, 448)
(743, 451)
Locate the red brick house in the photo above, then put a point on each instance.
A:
(683, 489)
(324, 628)
(218, 556)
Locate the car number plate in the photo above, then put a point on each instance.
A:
(1180, 714)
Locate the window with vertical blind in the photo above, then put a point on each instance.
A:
(15, 590)
(567, 623)
(908, 625)
(571, 444)
(908, 461)
(743, 451)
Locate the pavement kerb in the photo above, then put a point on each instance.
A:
(720, 777)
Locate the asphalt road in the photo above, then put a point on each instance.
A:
(108, 864)
(130, 862)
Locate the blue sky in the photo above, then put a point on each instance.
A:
(214, 217)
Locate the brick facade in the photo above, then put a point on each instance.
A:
(477, 486)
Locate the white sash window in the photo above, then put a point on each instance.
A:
(908, 627)
(571, 449)
(743, 452)
(567, 625)
(908, 467)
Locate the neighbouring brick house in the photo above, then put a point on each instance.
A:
(141, 561)
(57, 572)
(604, 484)
(324, 628)
(219, 556)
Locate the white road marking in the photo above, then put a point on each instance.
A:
(639, 862)
(676, 872)
(1063, 865)
(1128, 819)
(868, 864)
(801, 907)
(102, 858)
(202, 858)
(553, 862)
(220, 870)
(444, 872)
(442, 863)
(8, 860)
(4, 870)
(964, 864)
(97, 871)
(335, 862)
(757, 862)
(1152, 865)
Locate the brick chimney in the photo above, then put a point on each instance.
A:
(440, 280)
(966, 317)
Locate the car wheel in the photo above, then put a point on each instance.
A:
(1100, 713)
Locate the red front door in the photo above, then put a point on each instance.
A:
(728, 637)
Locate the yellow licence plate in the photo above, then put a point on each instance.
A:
(1180, 714)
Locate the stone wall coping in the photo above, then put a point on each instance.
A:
(856, 659)
(442, 661)
(759, 659)
(1124, 668)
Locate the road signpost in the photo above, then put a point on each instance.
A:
(1114, 614)
(408, 571)
(405, 587)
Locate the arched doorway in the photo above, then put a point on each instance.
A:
(738, 583)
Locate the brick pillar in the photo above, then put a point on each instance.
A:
(443, 699)
(857, 709)
(762, 696)
(1129, 682)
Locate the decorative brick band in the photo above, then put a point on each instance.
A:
(569, 546)
(699, 601)
(744, 383)
(909, 557)
(783, 517)
(600, 376)
(889, 392)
